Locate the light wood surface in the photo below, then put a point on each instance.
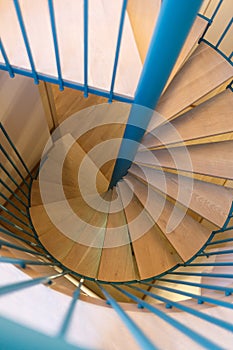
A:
(187, 237)
(143, 19)
(56, 243)
(209, 159)
(117, 261)
(203, 72)
(40, 218)
(214, 117)
(152, 250)
(53, 195)
(103, 26)
(189, 46)
(210, 201)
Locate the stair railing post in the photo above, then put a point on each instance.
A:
(174, 23)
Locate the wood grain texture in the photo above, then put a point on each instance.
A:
(208, 159)
(185, 234)
(210, 201)
(143, 20)
(189, 46)
(203, 72)
(153, 252)
(214, 117)
(117, 261)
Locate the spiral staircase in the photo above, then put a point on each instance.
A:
(154, 250)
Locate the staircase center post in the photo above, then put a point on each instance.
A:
(173, 25)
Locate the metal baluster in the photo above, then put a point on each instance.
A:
(55, 42)
(26, 41)
(118, 47)
(9, 68)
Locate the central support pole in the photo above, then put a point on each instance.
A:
(174, 23)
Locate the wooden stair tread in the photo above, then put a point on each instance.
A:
(213, 159)
(117, 262)
(204, 71)
(211, 201)
(54, 194)
(72, 163)
(190, 43)
(213, 117)
(41, 220)
(56, 243)
(188, 237)
(152, 250)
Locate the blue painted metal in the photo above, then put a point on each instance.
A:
(26, 41)
(217, 8)
(9, 233)
(14, 216)
(17, 337)
(23, 263)
(15, 150)
(167, 41)
(55, 43)
(12, 193)
(118, 47)
(13, 180)
(8, 222)
(170, 303)
(27, 284)
(68, 317)
(140, 337)
(199, 298)
(202, 274)
(85, 32)
(198, 285)
(13, 165)
(3, 51)
(69, 84)
(23, 249)
(221, 252)
(198, 338)
(224, 33)
(13, 205)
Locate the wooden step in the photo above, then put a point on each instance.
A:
(185, 234)
(213, 159)
(153, 252)
(68, 172)
(103, 26)
(41, 220)
(210, 201)
(204, 71)
(189, 46)
(211, 118)
(52, 193)
(85, 258)
(143, 20)
(79, 163)
(117, 262)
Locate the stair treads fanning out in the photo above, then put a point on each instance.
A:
(213, 117)
(210, 201)
(208, 159)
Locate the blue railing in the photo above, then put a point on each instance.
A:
(20, 228)
(130, 289)
(110, 95)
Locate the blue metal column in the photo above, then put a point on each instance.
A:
(174, 23)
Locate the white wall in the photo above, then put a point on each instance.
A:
(23, 116)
